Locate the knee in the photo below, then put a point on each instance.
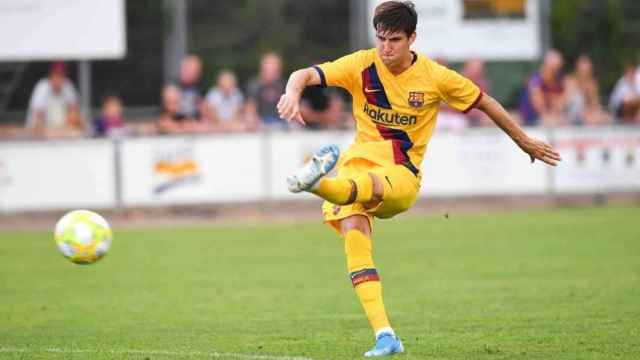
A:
(355, 222)
(377, 194)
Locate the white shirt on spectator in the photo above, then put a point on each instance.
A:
(54, 106)
(622, 91)
(226, 106)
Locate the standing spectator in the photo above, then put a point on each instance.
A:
(474, 70)
(111, 122)
(225, 102)
(189, 84)
(53, 108)
(583, 95)
(543, 99)
(625, 99)
(264, 92)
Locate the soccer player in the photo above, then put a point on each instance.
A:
(396, 94)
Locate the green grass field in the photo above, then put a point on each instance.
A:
(561, 284)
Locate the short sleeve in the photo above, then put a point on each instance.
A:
(70, 94)
(342, 72)
(253, 90)
(39, 96)
(239, 97)
(534, 82)
(457, 91)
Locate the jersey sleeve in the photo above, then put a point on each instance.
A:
(70, 94)
(457, 91)
(38, 99)
(342, 72)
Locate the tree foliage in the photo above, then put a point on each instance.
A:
(234, 33)
(606, 30)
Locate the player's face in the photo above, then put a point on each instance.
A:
(394, 47)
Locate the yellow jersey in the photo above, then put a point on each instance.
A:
(396, 114)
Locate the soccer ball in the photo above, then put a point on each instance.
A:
(82, 236)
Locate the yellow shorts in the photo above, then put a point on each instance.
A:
(401, 189)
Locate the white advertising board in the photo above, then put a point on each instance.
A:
(191, 170)
(481, 162)
(56, 175)
(461, 29)
(235, 168)
(62, 29)
(474, 162)
(598, 160)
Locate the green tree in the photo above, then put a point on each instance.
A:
(606, 30)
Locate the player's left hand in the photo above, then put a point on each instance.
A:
(289, 108)
(540, 150)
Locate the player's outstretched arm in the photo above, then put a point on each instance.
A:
(535, 148)
(289, 104)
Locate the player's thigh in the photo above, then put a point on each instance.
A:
(401, 190)
(334, 215)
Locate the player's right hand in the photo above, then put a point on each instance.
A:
(289, 108)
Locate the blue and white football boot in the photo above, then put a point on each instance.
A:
(320, 164)
(386, 344)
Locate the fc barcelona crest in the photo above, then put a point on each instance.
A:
(416, 99)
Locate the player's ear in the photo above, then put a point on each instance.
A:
(412, 38)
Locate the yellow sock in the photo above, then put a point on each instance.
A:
(341, 191)
(365, 279)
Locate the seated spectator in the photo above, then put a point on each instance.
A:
(172, 120)
(625, 99)
(111, 122)
(543, 100)
(189, 84)
(583, 95)
(321, 109)
(53, 108)
(225, 104)
(264, 92)
(474, 70)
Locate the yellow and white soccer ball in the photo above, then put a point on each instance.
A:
(83, 236)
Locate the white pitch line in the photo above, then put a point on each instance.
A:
(201, 354)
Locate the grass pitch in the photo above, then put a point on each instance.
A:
(561, 284)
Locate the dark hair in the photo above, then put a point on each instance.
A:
(394, 16)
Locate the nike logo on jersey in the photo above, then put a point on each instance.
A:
(369, 91)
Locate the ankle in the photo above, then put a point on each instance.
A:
(385, 330)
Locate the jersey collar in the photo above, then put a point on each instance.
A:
(403, 74)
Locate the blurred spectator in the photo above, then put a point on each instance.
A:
(111, 122)
(583, 95)
(625, 99)
(321, 108)
(543, 99)
(474, 70)
(264, 92)
(189, 84)
(53, 108)
(225, 103)
(172, 120)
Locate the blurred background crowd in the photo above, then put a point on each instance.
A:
(212, 91)
(550, 97)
